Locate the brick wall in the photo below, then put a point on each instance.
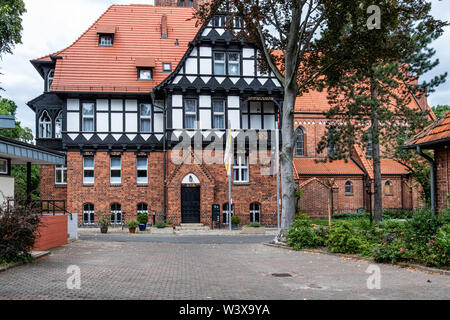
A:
(49, 190)
(315, 200)
(52, 233)
(442, 175)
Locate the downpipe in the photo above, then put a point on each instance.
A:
(432, 178)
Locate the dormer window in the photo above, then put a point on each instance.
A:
(145, 74)
(50, 76)
(106, 40)
(145, 67)
(167, 67)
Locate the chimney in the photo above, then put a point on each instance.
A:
(164, 29)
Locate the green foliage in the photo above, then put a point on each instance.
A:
(160, 225)
(398, 214)
(10, 24)
(441, 110)
(104, 221)
(9, 108)
(390, 252)
(142, 218)
(235, 220)
(169, 222)
(342, 238)
(302, 235)
(132, 224)
(255, 225)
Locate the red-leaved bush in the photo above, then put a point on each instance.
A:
(18, 228)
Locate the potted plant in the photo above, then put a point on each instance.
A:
(235, 221)
(143, 220)
(160, 225)
(132, 225)
(104, 223)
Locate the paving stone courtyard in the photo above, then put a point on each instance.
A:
(199, 268)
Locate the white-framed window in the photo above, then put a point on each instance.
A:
(145, 117)
(142, 170)
(61, 175)
(88, 214)
(106, 40)
(116, 170)
(225, 208)
(88, 116)
(241, 169)
(167, 67)
(237, 23)
(219, 21)
(142, 208)
(88, 170)
(50, 77)
(219, 63)
(348, 188)
(58, 126)
(3, 166)
(234, 64)
(255, 213)
(116, 214)
(219, 114)
(300, 143)
(190, 109)
(145, 74)
(45, 126)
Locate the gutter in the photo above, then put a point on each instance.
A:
(432, 178)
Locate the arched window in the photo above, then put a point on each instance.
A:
(388, 188)
(142, 208)
(300, 143)
(45, 126)
(50, 78)
(369, 145)
(225, 212)
(116, 214)
(348, 188)
(58, 126)
(88, 214)
(255, 213)
(332, 137)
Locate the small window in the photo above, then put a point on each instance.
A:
(349, 188)
(300, 143)
(142, 208)
(219, 63)
(45, 126)
(225, 208)
(88, 117)
(145, 74)
(219, 114)
(146, 117)
(142, 170)
(241, 169)
(88, 214)
(190, 107)
(219, 21)
(3, 166)
(116, 170)
(388, 188)
(255, 213)
(167, 67)
(61, 175)
(88, 170)
(237, 24)
(106, 40)
(116, 214)
(50, 77)
(58, 126)
(234, 64)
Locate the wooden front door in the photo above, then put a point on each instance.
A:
(190, 204)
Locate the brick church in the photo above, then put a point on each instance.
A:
(143, 78)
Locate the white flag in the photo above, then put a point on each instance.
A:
(229, 153)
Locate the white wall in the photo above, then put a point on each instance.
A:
(6, 189)
(72, 227)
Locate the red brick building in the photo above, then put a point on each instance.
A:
(436, 138)
(120, 97)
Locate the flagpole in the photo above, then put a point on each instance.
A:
(230, 172)
(277, 134)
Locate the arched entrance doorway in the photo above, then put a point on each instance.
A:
(190, 199)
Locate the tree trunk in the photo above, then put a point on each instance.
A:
(288, 184)
(378, 192)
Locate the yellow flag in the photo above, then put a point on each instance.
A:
(229, 153)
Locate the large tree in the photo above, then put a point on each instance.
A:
(11, 12)
(284, 32)
(373, 88)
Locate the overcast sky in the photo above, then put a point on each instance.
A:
(51, 25)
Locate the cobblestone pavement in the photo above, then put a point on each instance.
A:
(155, 271)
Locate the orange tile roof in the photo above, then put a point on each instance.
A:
(86, 67)
(439, 131)
(390, 166)
(309, 166)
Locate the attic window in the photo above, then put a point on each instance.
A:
(145, 68)
(105, 40)
(167, 67)
(145, 74)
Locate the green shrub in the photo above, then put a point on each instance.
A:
(302, 235)
(390, 252)
(142, 218)
(255, 225)
(302, 216)
(342, 238)
(160, 225)
(132, 224)
(438, 253)
(235, 220)
(398, 214)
